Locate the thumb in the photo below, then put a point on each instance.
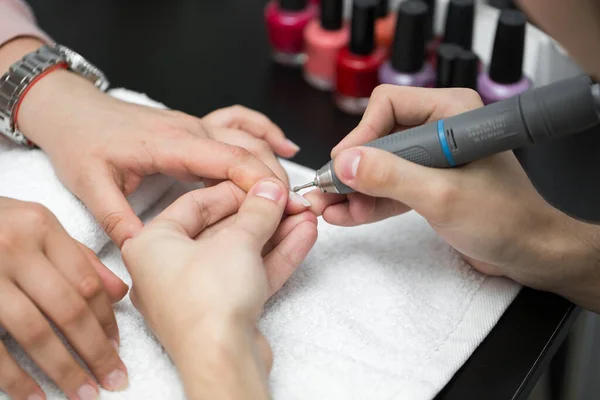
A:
(379, 173)
(262, 210)
(110, 207)
(115, 287)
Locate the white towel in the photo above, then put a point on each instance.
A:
(383, 311)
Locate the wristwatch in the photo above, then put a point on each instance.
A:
(22, 74)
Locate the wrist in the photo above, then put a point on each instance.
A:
(568, 260)
(50, 102)
(228, 364)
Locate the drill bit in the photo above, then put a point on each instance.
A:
(296, 189)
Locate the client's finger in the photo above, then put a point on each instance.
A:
(261, 212)
(115, 287)
(257, 147)
(14, 381)
(196, 210)
(256, 124)
(107, 202)
(286, 227)
(283, 260)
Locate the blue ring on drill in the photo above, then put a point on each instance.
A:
(444, 143)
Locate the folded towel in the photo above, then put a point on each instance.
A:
(382, 311)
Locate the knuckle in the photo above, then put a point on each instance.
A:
(9, 241)
(111, 221)
(35, 215)
(468, 97)
(104, 360)
(238, 108)
(16, 381)
(239, 154)
(71, 318)
(90, 287)
(37, 335)
(260, 148)
(202, 211)
(381, 92)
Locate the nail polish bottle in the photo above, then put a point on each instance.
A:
(323, 41)
(385, 24)
(432, 39)
(407, 65)
(286, 21)
(505, 76)
(447, 54)
(358, 64)
(459, 23)
(466, 70)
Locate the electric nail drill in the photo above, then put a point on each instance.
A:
(547, 113)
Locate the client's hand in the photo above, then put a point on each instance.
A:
(102, 147)
(44, 273)
(202, 274)
(487, 210)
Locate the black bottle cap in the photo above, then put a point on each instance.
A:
(502, 4)
(408, 52)
(332, 14)
(292, 5)
(430, 23)
(466, 69)
(446, 57)
(459, 23)
(509, 45)
(383, 9)
(362, 36)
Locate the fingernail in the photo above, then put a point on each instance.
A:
(116, 380)
(115, 344)
(268, 190)
(348, 162)
(299, 199)
(87, 392)
(35, 396)
(293, 145)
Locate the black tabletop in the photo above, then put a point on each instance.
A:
(199, 55)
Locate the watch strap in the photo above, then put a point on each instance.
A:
(22, 74)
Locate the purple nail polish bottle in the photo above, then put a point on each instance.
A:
(505, 77)
(407, 66)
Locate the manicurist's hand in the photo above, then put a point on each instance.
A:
(202, 271)
(102, 147)
(487, 210)
(44, 273)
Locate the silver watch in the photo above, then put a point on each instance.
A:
(21, 74)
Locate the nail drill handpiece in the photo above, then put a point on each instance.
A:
(540, 115)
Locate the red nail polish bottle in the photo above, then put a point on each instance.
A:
(324, 38)
(358, 64)
(286, 21)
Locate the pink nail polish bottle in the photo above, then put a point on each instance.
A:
(286, 21)
(323, 39)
